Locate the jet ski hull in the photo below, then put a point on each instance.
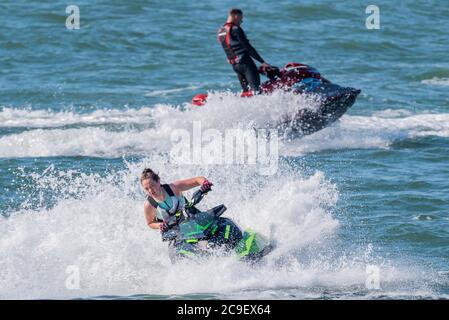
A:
(310, 120)
(204, 234)
(333, 100)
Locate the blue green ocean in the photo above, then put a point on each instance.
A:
(83, 111)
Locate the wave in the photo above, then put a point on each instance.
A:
(372, 132)
(157, 93)
(115, 133)
(437, 81)
(351, 132)
(28, 118)
(96, 232)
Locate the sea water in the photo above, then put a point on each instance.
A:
(357, 210)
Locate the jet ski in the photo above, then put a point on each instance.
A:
(199, 234)
(299, 78)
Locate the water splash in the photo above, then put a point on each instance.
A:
(96, 225)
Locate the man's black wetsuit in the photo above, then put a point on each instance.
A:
(239, 52)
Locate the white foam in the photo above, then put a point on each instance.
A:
(351, 132)
(392, 113)
(224, 111)
(97, 226)
(139, 131)
(156, 93)
(364, 132)
(96, 142)
(28, 118)
(436, 81)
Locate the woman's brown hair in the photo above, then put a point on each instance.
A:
(147, 173)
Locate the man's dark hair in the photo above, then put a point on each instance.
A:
(235, 11)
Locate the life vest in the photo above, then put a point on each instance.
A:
(172, 212)
(232, 47)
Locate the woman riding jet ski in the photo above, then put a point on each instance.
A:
(298, 78)
(192, 233)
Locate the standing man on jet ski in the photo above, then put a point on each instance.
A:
(165, 202)
(240, 52)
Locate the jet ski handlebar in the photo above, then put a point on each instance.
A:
(197, 197)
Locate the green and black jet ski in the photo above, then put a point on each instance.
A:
(204, 233)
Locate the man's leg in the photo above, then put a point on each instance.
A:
(240, 70)
(252, 76)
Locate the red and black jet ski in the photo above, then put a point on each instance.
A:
(298, 78)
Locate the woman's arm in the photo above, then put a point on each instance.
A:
(150, 216)
(187, 184)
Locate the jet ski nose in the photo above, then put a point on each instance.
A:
(200, 99)
(355, 92)
(351, 92)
